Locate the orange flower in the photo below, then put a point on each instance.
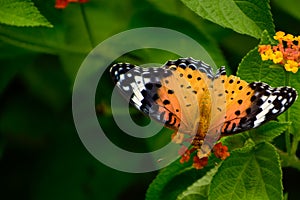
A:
(199, 163)
(61, 4)
(221, 151)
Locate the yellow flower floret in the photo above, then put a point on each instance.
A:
(288, 37)
(291, 66)
(279, 35)
(277, 57)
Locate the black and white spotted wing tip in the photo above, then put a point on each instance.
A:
(118, 71)
(271, 102)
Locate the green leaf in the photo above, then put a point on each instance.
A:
(199, 190)
(293, 111)
(175, 179)
(54, 40)
(269, 131)
(266, 38)
(21, 13)
(158, 188)
(75, 28)
(252, 68)
(255, 174)
(237, 141)
(249, 17)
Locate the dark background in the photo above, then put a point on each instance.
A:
(41, 155)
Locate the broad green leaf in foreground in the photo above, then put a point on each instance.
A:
(21, 13)
(175, 179)
(269, 131)
(158, 188)
(255, 174)
(249, 17)
(199, 190)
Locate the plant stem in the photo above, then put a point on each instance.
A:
(289, 161)
(294, 146)
(87, 26)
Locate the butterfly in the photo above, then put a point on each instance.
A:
(186, 96)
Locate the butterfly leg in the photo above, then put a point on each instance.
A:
(204, 151)
(177, 138)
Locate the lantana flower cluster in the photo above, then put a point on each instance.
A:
(61, 4)
(286, 53)
(220, 151)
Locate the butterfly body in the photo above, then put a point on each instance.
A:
(186, 96)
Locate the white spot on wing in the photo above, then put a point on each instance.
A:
(136, 91)
(147, 80)
(137, 101)
(129, 75)
(283, 101)
(274, 111)
(126, 88)
(122, 77)
(266, 107)
(138, 79)
(264, 98)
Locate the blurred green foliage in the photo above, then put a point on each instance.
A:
(41, 154)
